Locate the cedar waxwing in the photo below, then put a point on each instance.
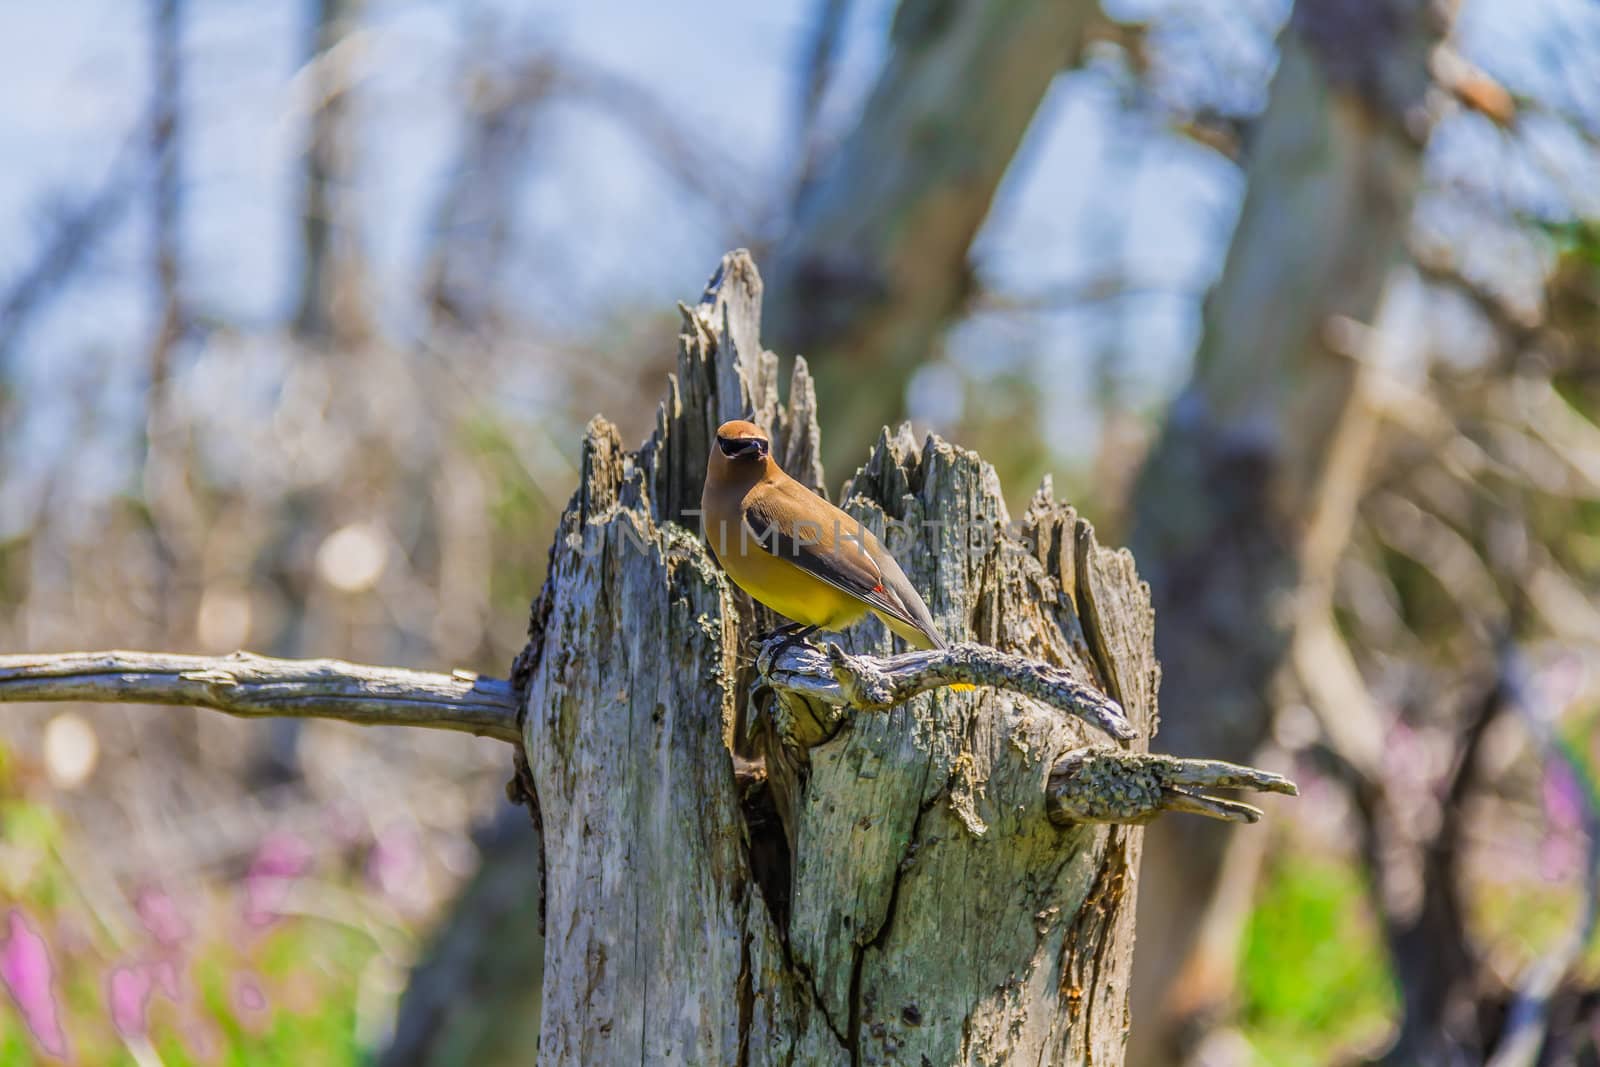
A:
(795, 552)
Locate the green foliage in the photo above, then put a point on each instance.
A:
(1576, 239)
(313, 967)
(519, 516)
(1314, 979)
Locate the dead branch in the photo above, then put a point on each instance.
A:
(1110, 785)
(841, 681)
(817, 691)
(252, 686)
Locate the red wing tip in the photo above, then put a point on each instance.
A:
(878, 588)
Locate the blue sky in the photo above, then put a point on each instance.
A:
(1101, 188)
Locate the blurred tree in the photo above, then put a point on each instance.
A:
(1241, 481)
(166, 141)
(1468, 591)
(873, 264)
(330, 319)
(474, 996)
(331, 307)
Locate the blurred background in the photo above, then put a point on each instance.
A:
(303, 307)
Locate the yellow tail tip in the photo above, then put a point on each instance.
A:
(962, 687)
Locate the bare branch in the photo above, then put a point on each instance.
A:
(1110, 785)
(252, 686)
(838, 680)
(680, 150)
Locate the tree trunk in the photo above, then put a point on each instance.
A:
(330, 309)
(1240, 482)
(924, 908)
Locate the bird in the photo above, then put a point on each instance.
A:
(795, 552)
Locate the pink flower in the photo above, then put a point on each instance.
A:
(129, 988)
(128, 994)
(247, 995)
(201, 1038)
(281, 855)
(1564, 801)
(278, 862)
(249, 1002)
(161, 917)
(164, 975)
(395, 863)
(1559, 858)
(26, 973)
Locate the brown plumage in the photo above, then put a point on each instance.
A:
(795, 552)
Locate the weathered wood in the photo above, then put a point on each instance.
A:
(932, 910)
(255, 687)
(801, 673)
(660, 945)
(1100, 784)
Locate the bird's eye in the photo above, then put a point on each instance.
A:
(734, 447)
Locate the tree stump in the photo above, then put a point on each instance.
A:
(915, 902)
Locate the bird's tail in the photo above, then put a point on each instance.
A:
(923, 637)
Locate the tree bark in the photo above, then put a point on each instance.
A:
(1228, 497)
(932, 911)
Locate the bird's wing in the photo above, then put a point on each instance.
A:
(795, 524)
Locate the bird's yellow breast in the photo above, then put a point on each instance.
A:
(788, 590)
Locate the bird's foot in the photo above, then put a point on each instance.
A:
(793, 633)
(778, 631)
(774, 643)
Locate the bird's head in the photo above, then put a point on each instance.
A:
(741, 443)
